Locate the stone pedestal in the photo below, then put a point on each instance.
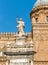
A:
(20, 60)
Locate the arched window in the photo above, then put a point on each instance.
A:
(36, 19)
(47, 18)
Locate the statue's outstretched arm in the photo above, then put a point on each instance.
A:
(17, 20)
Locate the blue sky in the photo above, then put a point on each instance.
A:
(10, 9)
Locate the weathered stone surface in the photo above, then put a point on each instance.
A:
(40, 34)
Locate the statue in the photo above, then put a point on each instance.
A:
(20, 27)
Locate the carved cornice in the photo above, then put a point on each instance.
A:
(37, 9)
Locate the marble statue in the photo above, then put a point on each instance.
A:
(20, 27)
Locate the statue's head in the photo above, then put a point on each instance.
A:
(20, 19)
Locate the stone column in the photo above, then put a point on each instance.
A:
(31, 60)
(7, 63)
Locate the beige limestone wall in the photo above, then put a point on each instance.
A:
(40, 38)
(3, 63)
(40, 63)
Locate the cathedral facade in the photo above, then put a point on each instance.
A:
(20, 48)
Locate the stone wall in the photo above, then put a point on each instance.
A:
(41, 63)
(3, 63)
(40, 38)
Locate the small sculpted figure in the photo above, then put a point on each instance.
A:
(20, 27)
